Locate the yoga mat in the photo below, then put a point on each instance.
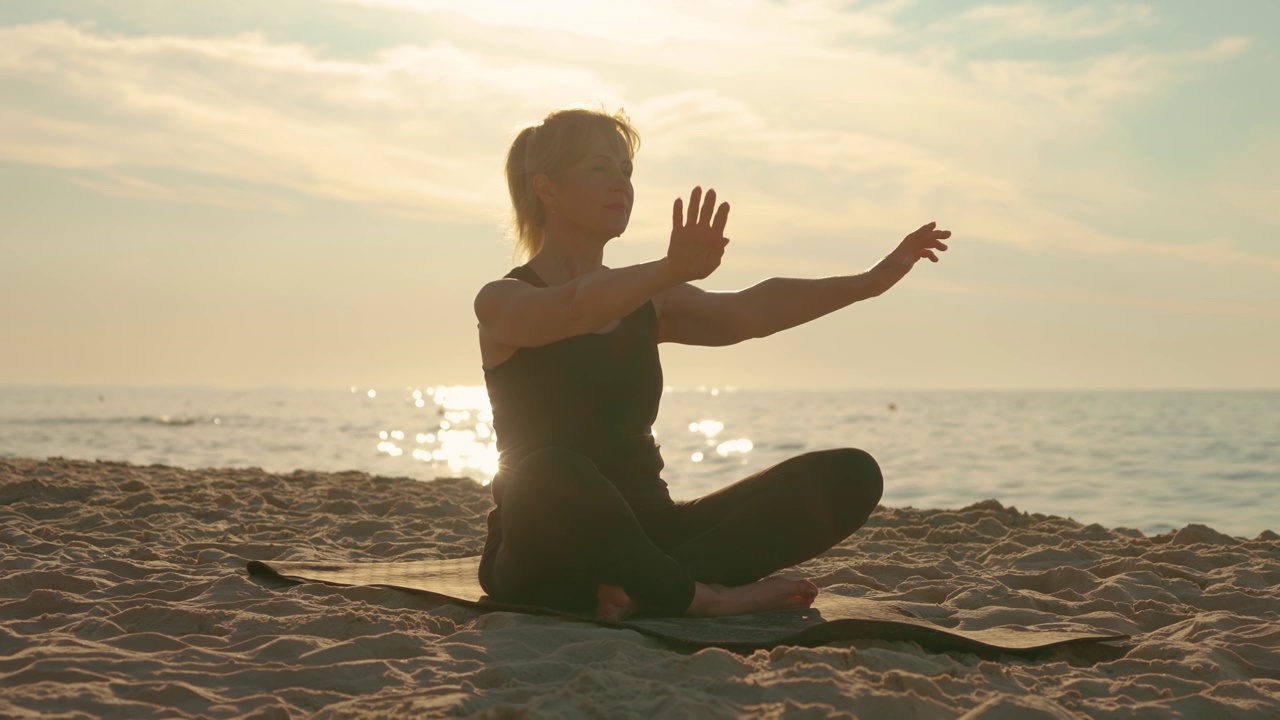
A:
(832, 617)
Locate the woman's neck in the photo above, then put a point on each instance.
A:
(560, 260)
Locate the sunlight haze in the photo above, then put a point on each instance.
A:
(310, 192)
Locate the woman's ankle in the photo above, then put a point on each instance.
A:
(707, 600)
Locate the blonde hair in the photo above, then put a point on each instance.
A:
(563, 138)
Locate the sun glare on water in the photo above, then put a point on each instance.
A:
(456, 430)
(710, 429)
(450, 428)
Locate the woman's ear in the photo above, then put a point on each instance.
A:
(545, 189)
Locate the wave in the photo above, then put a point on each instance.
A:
(167, 420)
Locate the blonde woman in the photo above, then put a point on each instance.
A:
(583, 520)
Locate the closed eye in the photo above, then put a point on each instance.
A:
(604, 164)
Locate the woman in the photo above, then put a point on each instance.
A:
(583, 520)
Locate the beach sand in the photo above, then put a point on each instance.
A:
(123, 595)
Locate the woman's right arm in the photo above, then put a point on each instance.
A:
(517, 314)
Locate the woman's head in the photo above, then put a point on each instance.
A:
(564, 137)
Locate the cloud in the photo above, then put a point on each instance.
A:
(743, 24)
(1071, 297)
(814, 136)
(415, 128)
(909, 143)
(124, 184)
(1035, 21)
(1248, 183)
(1090, 87)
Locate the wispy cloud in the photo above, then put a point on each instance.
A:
(746, 24)
(408, 129)
(1042, 133)
(1035, 21)
(123, 184)
(1059, 296)
(1088, 88)
(1249, 184)
(812, 137)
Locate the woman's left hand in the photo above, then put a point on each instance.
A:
(921, 244)
(914, 247)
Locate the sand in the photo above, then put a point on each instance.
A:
(123, 594)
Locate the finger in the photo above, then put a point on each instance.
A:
(708, 206)
(942, 233)
(923, 232)
(694, 198)
(677, 212)
(722, 218)
(939, 245)
(929, 254)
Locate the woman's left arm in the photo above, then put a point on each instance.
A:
(692, 316)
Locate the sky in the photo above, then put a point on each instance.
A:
(309, 192)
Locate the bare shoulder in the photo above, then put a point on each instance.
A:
(498, 298)
(499, 290)
(491, 302)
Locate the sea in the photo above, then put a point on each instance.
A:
(1150, 460)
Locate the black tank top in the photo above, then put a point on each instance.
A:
(596, 394)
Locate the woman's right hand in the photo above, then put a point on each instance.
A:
(697, 240)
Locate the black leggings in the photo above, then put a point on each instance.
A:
(565, 530)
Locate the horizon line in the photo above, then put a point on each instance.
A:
(705, 388)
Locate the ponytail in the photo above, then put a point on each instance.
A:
(528, 215)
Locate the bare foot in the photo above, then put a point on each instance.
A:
(613, 603)
(771, 593)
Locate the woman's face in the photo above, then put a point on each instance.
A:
(594, 195)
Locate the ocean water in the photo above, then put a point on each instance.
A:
(1154, 461)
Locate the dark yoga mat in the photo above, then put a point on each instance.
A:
(832, 616)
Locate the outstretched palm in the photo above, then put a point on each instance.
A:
(697, 239)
